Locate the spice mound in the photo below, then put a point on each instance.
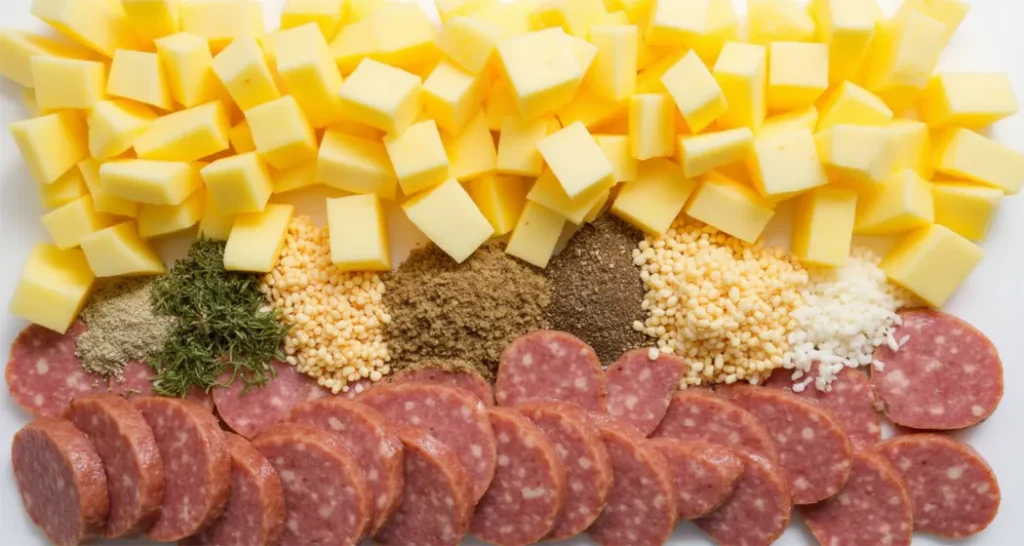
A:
(469, 311)
(336, 317)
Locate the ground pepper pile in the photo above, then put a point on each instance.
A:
(597, 291)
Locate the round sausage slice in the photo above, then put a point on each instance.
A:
(549, 365)
(44, 374)
(373, 442)
(437, 502)
(250, 413)
(137, 380)
(326, 498)
(129, 452)
(952, 489)
(704, 416)
(197, 466)
(255, 512)
(758, 511)
(588, 468)
(873, 508)
(449, 373)
(528, 490)
(640, 389)
(705, 474)
(61, 480)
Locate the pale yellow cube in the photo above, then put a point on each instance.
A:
(470, 42)
(653, 201)
(156, 220)
(699, 154)
(742, 73)
(54, 286)
(697, 95)
(548, 192)
(352, 44)
(68, 224)
(381, 96)
(797, 74)
(513, 17)
(902, 57)
(418, 157)
(119, 251)
(222, 21)
(239, 184)
(499, 104)
(967, 209)
(575, 16)
(102, 29)
(902, 203)
(188, 135)
(242, 69)
(67, 84)
(652, 126)
(281, 133)
(17, 48)
(356, 165)
(306, 67)
(152, 19)
(451, 96)
(967, 99)
(148, 181)
(542, 69)
(823, 226)
(103, 200)
(138, 75)
(536, 234)
(360, 10)
(450, 9)
(912, 146)
(674, 23)
(187, 60)
(613, 74)
(731, 207)
(359, 233)
(855, 156)
(804, 118)
(472, 153)
(962, 153)
(848, 27)
(356, 129)
(326, 14)
(785, 163)
(851, 104)
(214, 223)
(592, 110)
(64, 190)
(584, 51)
(114, 126)
(577, 161)
(616, 148)
(501, 200)
(722, 26)
(448, 217)
(296, 177)
(241, 138)
(517, 146)
(778, 21)
(932, 262)
(404, 37)
(28, 100)
(52, 144)
(949, 12)
(257, 239)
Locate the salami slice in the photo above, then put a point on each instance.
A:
(705, 474)
(873, 508)
(437, 502)
(255, 511)
(814, 451)
(759, 510)
(548, 365)
(851, 399)
(457, 376)
(126, 445)
(137, 380)
(61, 480)
(588, 468)
(952, 489)
(946, 376)
(700, 415)
(641, 508)
(453, 416)
(44, 374)
(640, 389)
(250, 413)
(372, 441)
(197, 466)
(326, 498)
(528, 490)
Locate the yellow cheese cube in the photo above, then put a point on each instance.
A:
(147, 181)
(326, 14)
(797, 74)
(67, 84)
(53, 288)
(282, 135)
(119, 251)
(17, 48)
(499, 104)
(156, 220)
(66, 189)
(902, 58)
(736, 171)
(257, 239)
(967, 99)
(722, 26)
(450, 9)
(242, 68)
(699, 154)
(306, 67)
(576, 159)
(616, 148)
(67, 225)
(517, 146)
(851, 104)
(451, 96)
(965, 208)
(239, 184)
(574, 16)
(823, 226)
(592, 110)
(187, 135)
(418, 157)
(696, 93)
(296, 177)
(653, 201)
(356, 165)
(114, 125)
(101, 28)
(902, 203)
(352, 44)
(501, 200)
(222, 21)
(804, 118)
(731, 207)
(381, 96)
(470, 42)
(358, 233)
(104, 201)
(187, 60)
(448, 216)
(674, 23)
(855, 156)
(778, 21)
(215, 224)
(138, 76)
(652, 127)
(403, 37)
(548, 192)
(51, 144)
(847, 26)
(912, 146)
(613, 75)
(536, 234)
(152, 19)
(932, 262)
(542, 70)
(356, 129)
(962, 153)
(241, 139)
(784, 164)
(472, 153)
(513, 17)
(28, 99)
(949, 12)
(360, 10)
(742, 73)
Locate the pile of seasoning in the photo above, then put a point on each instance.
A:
(469, 311)
(596, 290)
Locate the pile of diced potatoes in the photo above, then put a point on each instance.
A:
(521, 118)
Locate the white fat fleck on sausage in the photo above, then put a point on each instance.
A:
(977, 410)
(287, 476)
(631, 401)
(503, 460)
(527, 359)
(645, 375)
(982, 488)
(466, 412)
(801, 483)
(898, 380)
(42, 366)
(894, 500)
(476, 451)
(584, 462)
(807, 433)
(940, 340)
(584, 510)
(844, 499)
(371, 475)
(759, 505)
(300, 447)
(658, 501)
(530, 493)
(293, 526)
(936, 410)
(955, 472)
(689, 423)
(503, 438)
(576, 486)
(335, 424)
(38, 400)
(410, 405)
(734, 438)
(325, 511)
(580, 383)
(276, 402)
(934, 365)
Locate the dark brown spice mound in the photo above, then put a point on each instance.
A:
(596, 290)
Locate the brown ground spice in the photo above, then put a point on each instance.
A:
(449, 365)
(596, 290)
(469, 311)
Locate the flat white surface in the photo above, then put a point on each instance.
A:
(992, 298)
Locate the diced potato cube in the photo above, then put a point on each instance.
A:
(593, 111)
(847, 26)
(156, 220)
(101, 29)
(730, 206)
(448, 216)
(902, 57)
(470, 42)
(501, 200)
(695, 92)
(949, 12)
(450, 9)
(797, 74)
(653, 201)
(296, 177)
(281, 133)
(778, 21)
(52, 144)
(517, 146)
(742, 73)
(851, 104)
(499, 104)
(66, 189)
(358, 233)
(674, 23)
(967, 99)
(304, 62)
(53, 288)
(548, 192)
(69, 224)
(381, 96)
(451, 96)
(103, 200)
(241, 139)
(242, 69)
(403, 37)
(152, 19)
(965, 208)
(148, 181)
(576, 159)
(257, 239)
(616, 149)
(356, 165)
(67, 84)
(652, 127)
(17, 48)
(352, 44)
(188, 135)
(902, 203)
(138, 75)
(326, 14)
(239, 184)
(823, 226)
(613, 75)
(699, 154)
(222, 21)
(962, 153)
(215, 224)
(472, 153)
(912, 146)
(805, 118)
(119, 251)
(418, 157)
(542, 70)
(187, 60)
(114, 125)
(932, 262)
(536, 234)
(855, 156)
(784, 164)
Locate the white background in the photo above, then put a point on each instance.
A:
(991, 39)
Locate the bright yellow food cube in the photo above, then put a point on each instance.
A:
(296, 177)
(674, 23)
(103, 200)
(797, 74)
(352, 44)
(119, 251)
(138, 75)
(359, 10)
(965, 208)
(576, 159)
(517, 146)
(616, 148)
(241, 139)
(785, 163)
(513, 17)
(584, 51)
(215, 224)
(52, 144)
(949, 12)
(912, 146)
(450, 9)
(967, 99)
(804, 118)
(902, 57)
(653, 201)
(652, 126)
(67, 84)
(542, 70)
(448, 217)
(575, 16)
(152, 19)
(188, 135)
(326, 14)
(778, 21)
(114, 125)
(962, 153)
(742, 73)
(17, 48)
(902, 203)
(848, 27)
(592, 110)
(451, 96)
(222, 21)
(499, 104)
(851, 104)
(932, 262)
(187, 60)
(501, 200)
(102, 29)
(358, 233)
(548, 192)
(403, 37)
(303, 60)
(823, 226)
(855, 156)
(472, 153)
(239, 183)
(281, 133)
(696, 93)
(148, 181)
(470, 42)
(356, 165)
(731, 207)
(613, 74)
(67, 225)
(356, 129)
(66, 189)
(257, 239)
(381, 96)
(156, 220)
(699, 154)
(242, 69)
(536, 234)
(53, 288)
(722, 26)
(418, 157)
